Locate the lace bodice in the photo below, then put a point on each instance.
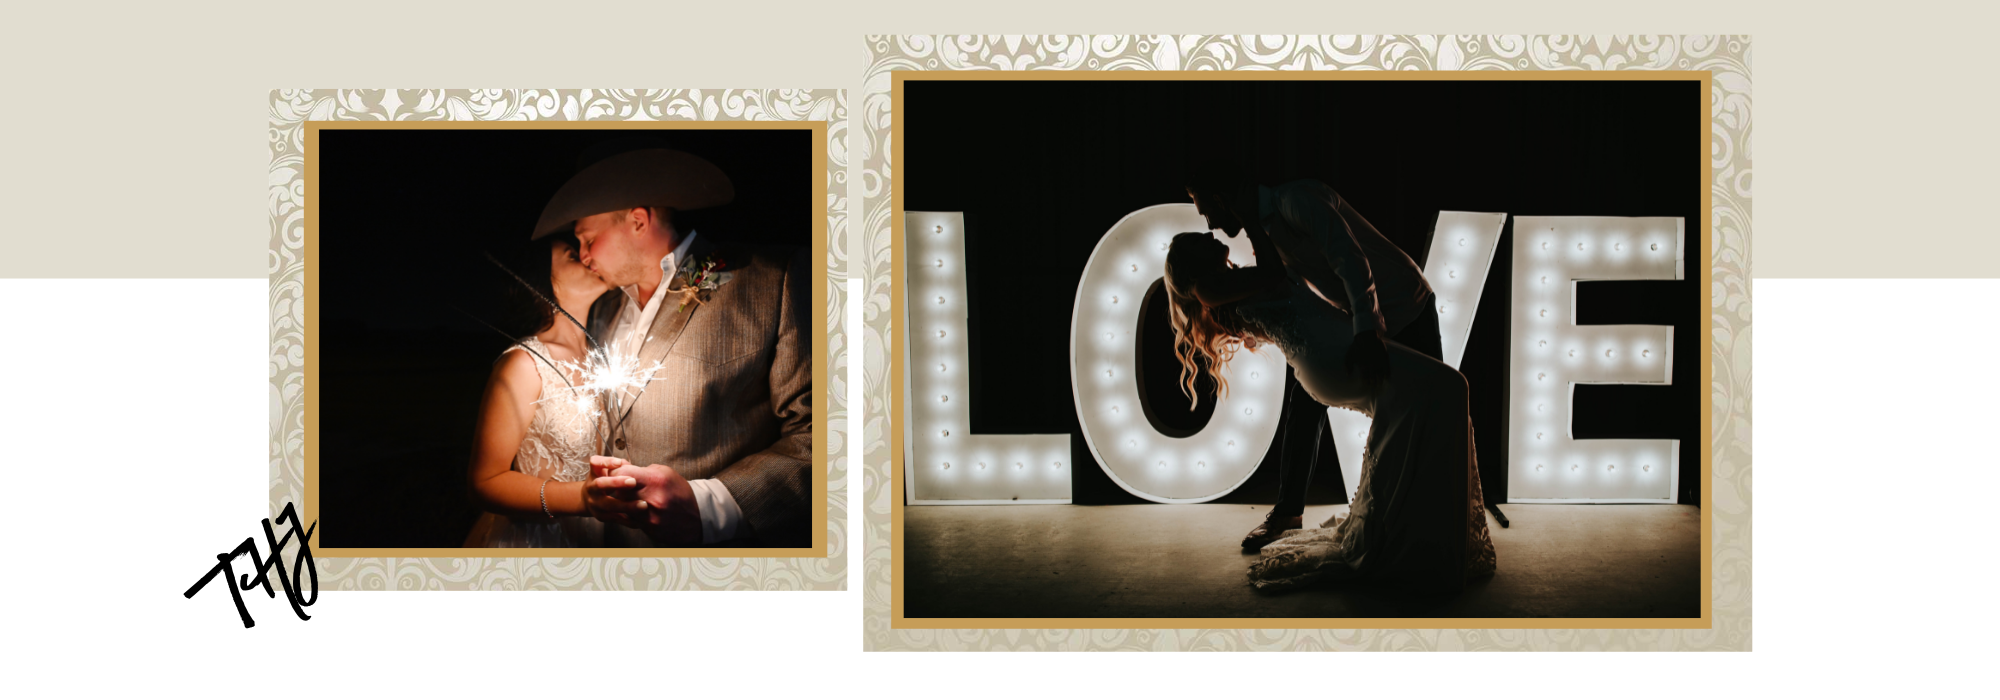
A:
(560, 436)
(1275, 321)
(558, 444)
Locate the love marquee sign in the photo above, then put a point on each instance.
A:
(1549, 355)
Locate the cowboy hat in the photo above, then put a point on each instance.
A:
(653, 177)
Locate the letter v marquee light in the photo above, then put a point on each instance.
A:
(1461, 256)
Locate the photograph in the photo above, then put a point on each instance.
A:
(581, 338)
(1241, 351)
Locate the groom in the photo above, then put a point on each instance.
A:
(717, 449)
(1356, 268)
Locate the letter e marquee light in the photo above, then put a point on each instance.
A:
(1552, 354)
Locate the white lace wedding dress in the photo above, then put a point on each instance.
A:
(1418, 516)
(558, 443)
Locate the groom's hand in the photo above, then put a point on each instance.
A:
(613, 499)
(671, 517)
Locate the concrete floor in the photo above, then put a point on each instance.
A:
(1182, 561)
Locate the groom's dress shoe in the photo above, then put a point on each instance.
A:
(1268, 531)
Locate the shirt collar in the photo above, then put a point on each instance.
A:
(669, 266)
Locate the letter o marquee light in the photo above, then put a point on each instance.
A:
(1103, 344)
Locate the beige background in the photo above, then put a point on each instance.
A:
(1871, 123)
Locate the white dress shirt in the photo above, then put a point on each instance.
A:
(720, 516)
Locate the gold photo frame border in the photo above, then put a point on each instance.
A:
(297, 118)
(1719, 63)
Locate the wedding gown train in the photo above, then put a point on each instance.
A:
(1418, 516)
(558, 443)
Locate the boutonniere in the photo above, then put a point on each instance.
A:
(697, 281)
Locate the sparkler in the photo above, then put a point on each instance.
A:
(607, 376)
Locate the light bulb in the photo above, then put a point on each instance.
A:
(940, 366)
(1201, 465)
(1542, 344)
(1107, 373)
(1131, 443)
(1656, 246)
(1163, 246)
(1607, 353)
(1647, 468)
(1646, 353)
(940, 262)
(1541, 376)
(1163, 464)
(1018, 465)
(1248, 412)
(1579, 246)
(1114, 409)
(1618, 246)
(1135, 268)
(1610, 467)
(1461, 243)
(1108, 336)
(1059, 465)
(1545, 313)
(982, 465)
(1545, 279)
(1538, 436)
(1545, 245)
(1451, 273)
(940, 333)
(1538, 467)
(1114, 298)
(1538, 407)
(940, 301)
(1232, 443)
(947, 465)
(942, 398)
(1572, 353)
(1572, 467)
(940, 229)
(944, 433)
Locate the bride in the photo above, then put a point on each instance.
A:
(532, 448)
(1416, 518)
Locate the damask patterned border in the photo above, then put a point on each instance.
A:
(290, 109)
(1727, 58)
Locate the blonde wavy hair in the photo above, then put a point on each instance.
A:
(1197, 332)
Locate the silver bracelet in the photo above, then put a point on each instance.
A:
(545, 497)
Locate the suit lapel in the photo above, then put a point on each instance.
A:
(668, 324)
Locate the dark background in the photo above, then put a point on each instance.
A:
(1043, 169)
(405, 220)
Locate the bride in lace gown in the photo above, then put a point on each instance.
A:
(1416, 518)
(532, 448)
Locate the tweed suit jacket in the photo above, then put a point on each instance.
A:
(733, 401)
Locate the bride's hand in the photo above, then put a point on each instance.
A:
(612, 499)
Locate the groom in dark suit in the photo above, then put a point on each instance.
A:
(1357, 269)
